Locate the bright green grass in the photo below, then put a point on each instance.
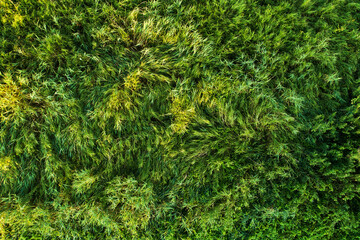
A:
(226, 119)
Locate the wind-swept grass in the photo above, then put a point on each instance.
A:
(219, 119)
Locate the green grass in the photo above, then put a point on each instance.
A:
(219, 119)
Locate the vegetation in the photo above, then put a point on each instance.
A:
(216, 119)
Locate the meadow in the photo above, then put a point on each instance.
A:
(180, 119)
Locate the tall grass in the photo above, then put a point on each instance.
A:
(219, 119)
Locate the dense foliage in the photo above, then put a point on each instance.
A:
(163, 119)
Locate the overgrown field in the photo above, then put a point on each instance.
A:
(170, 119)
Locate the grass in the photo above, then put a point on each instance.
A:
(220, 119)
